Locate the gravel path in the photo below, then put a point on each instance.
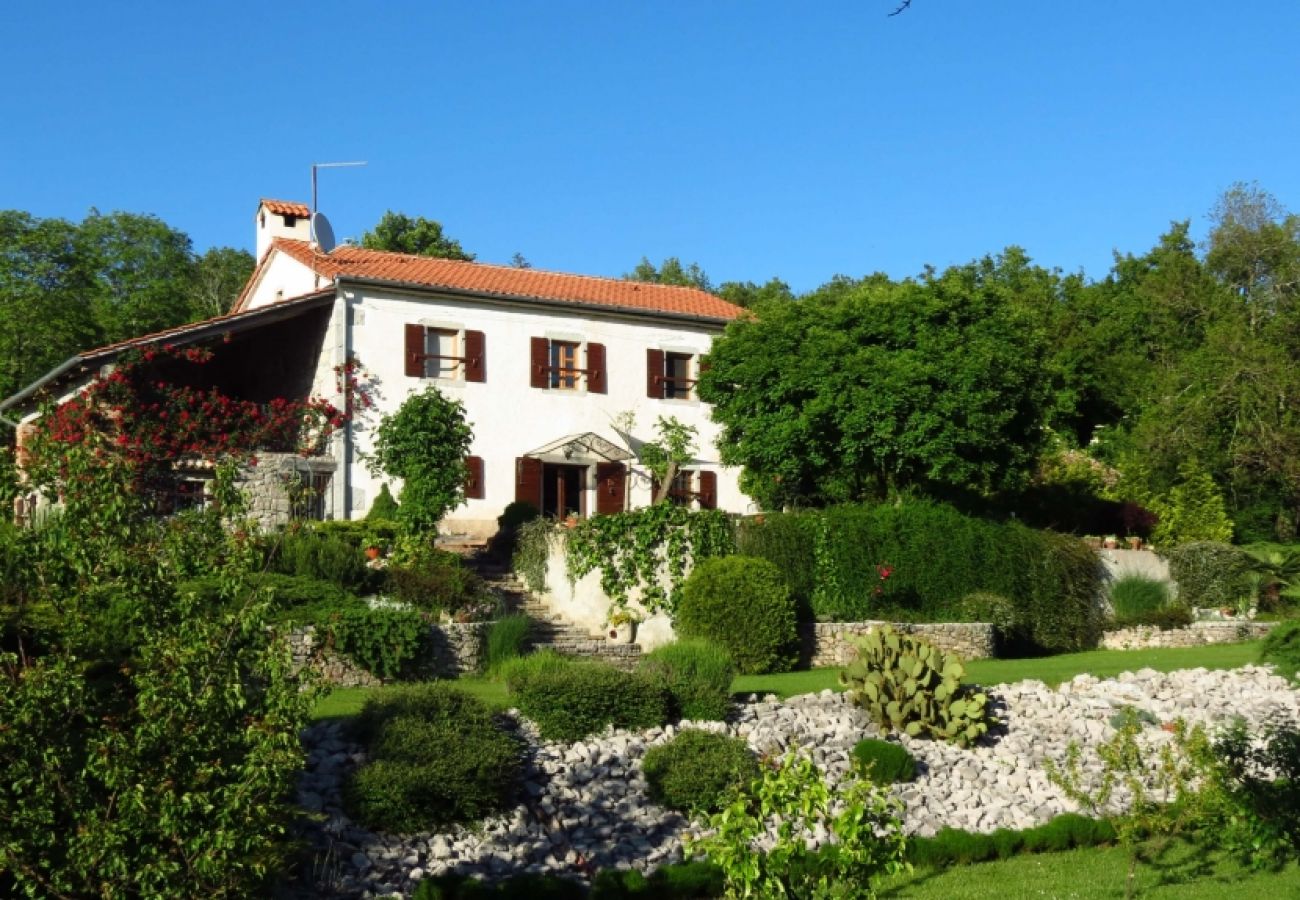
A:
(586, 806)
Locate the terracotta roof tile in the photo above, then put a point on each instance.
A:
(287, 208)
(507, 281)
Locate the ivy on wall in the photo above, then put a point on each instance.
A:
(648, 550)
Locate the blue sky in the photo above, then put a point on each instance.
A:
(757, 138)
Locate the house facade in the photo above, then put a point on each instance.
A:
(545, 364)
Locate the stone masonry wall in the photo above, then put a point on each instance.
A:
(827, 643)
(454, 649)
(269, 484)
(1143, 636)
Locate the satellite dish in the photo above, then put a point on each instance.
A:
(322, 234)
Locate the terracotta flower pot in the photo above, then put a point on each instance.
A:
(373, 553)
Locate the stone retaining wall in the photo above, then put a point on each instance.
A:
(277, 482)
(827, 643)
(454, 649)
(1143, 636)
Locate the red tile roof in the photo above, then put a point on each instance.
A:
(287, 208)
(507, 281)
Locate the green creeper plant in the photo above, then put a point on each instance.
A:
(907, 684)
(759, 838)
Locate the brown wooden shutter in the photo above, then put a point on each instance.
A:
(654, 374)
(611, 485)
(528, 480)
(708, 490)
(475, 358)
(474, 478)
(415, 351)
(540, 358)
(596, 369)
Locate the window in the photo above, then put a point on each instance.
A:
(690, 486)
(307, 498)
(669, 375)
(682, 491)
(290, 221)
(446, 352)
(564, 365)
(567, 365)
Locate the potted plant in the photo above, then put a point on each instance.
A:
(622, 626)
(1134, 542)
(1110, 542)
(1093, 541)
(373, 552)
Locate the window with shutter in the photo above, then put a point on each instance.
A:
(611, 488)
(708, 490)
(669, 375)
(558, 365)
(528, 480)
(445, 352)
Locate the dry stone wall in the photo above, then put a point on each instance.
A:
(1197, 634)
(829, 643)
(271, 484)
(453, 649)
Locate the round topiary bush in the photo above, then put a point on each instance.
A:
(437, 757)
(698, 676)
(1282, 649)
(883, 762)
(743, 604)
(696, 770)
(570, 699)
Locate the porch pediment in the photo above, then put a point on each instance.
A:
(585, 447)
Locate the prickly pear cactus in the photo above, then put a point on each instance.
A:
(907, 684)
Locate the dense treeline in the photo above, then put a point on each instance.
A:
(1004, 386)
(67, 286)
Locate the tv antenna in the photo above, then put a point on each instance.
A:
(322, 233)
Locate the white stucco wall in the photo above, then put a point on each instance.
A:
(509, 418)
(282, 278)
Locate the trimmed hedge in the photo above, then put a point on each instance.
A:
(829, 559)
(883, 762)
(1282, 649)
(437, 757)
(741, 603)
(953, 846)
(696, 770)
(698, 677)
(694, 880)
(1208, 573)
(536, 887)
(570, 699)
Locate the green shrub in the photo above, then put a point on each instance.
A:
(384, 509)
(986, 606)
(384, 641)
(1207, 573)
(741, 603)
(1193, 511)
(530, 553)
(907, 684)
(437, 757)
(696, 770)
(294, 598)
(360, 533)
(884, 762)
(1133, 596)
(697, 675)
(517, 673)
(831, 559)
(326, 557)
(517, 513)
(460, 887)
(1282, 649)
(569, 700)
(436, 580)
(680, 881)
(954, 846)
(1169, 617)
(506, 639)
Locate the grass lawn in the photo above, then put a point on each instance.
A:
(1050, 669)
(1182, 871)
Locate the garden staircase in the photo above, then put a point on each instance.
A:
(547, 630)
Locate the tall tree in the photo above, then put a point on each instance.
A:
(671, 271)
(936, 386)
(1254, 247)
(219, 276)
(400, 233)
(750, 295)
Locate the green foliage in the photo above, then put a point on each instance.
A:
(792, 799)
(936, 556)
(384, 641)
(1193, 511)
(400, 233)
(437, 581)
(1282, 649)
(452, 886)
(953, 846)
(639, 550)
(324, 557)
(570, 699)
(933, 385)
(741, 603)
(1208, 573)
(672, 271)
(385, 507)
(291, 598)
(425, 444)
(679, 881)
(1260, 780)
(531, 550)
(516, 513)
(437, 757)
(883, 762)
(1134, 596)
(1164, 618)
(906, 684)
(697, 675)
(697, 770)
(507, 639)
(995, 609)
(663, 457)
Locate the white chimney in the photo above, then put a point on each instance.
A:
(280, 219)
